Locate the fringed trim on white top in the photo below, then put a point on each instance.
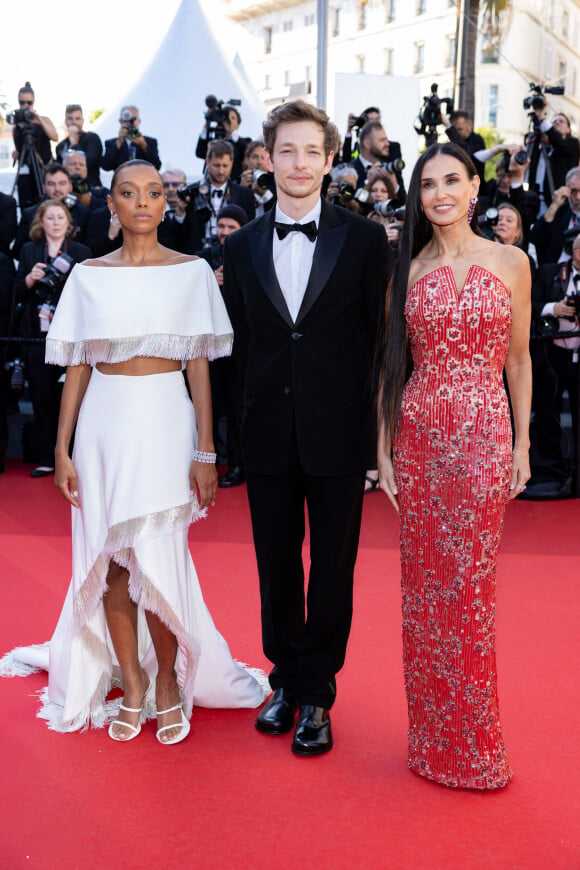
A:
(105, 350)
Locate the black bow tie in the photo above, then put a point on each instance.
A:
(309, 230)
(218, 192)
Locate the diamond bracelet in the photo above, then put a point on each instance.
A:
(202, 456)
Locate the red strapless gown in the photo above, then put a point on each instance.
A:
(452, 457)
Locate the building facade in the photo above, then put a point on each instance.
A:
(417, 38)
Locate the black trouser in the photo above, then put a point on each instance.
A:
(567, 374)
(306, 652)
(45, 393)
(227, 399)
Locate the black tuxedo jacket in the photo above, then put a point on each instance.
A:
(311, 379)
(114, 157)
(195, 231)
(8, 221)
(549, 238)
(92, 146)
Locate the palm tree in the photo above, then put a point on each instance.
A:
(493, 17)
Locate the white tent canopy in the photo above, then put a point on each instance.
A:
(190, 64)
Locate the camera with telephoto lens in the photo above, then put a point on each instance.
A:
(536, 100)
(390, 208)
(70, 200)
(348, 193)
(262, 179)
(129, 118)
(218, 114)
(430, 111)
(392, 166)
(520, 157)
(79, 184)
(54, 277)
(196, 198)
(489, 218)
(20, 116)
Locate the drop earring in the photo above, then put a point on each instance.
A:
(471, 209)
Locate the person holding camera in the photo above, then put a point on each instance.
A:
(356, 122)
(229, 122)
(93, 196)
(508, 184)
(56, 185)
(563, 151)
(561, 216)
(79, 140)
(459, 129)
(174, 229)
(556, 309)
(45, 263)
(377, 150)
(32, 136)
(256, 176)
(130, 143)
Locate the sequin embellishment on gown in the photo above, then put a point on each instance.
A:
(452, 457)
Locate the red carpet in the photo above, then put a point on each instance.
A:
(229, 797)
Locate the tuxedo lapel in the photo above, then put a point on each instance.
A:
(332, 233)
(261, 243)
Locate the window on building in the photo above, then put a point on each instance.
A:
(419, 57)
(308, 79)
(489, 52)
(451, 48)
(286, 78)
(562, 72)
(574, 81)
(390, 10)
(389, 61)
(548, 74)
(565, 23)
(335, 29)
(267, 82)
(362, 15)
(361, 63)
(287, 26)
(421, 7)
(309, 20)
(267, 40)
(493, 103)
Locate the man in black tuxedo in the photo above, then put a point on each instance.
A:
(130, 143)
(375, 149)
(563, 213)
(304, 285)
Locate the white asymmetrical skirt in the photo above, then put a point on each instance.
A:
(133, 448)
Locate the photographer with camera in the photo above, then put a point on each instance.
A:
(459, 129)
(256, 176)
(78, 140)
(93, 196)
(387, 209)
(56, 185)
(376, 150)
(130, 143)
(549, 142)
(221, 121)
(556, 310)
(508, 184)
(343, 189)
(32, 136)
(45, 264)
(563, 214)
(357, 122)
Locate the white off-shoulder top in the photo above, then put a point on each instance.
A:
(113, 313)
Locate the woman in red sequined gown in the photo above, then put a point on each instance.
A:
(461, 304)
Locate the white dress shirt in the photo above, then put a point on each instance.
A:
(293, 259)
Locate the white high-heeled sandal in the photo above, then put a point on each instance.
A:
(136, 729)
(185, 726)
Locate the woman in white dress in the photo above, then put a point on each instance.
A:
(143, 469)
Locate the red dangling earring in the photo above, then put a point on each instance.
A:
(471, 208)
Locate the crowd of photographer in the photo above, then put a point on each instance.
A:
(533, 201)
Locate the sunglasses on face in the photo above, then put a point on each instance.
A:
(174, 184)
(26, 102)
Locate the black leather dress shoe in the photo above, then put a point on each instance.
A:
(279, 714)
(234, 477)
(42, 471)
(312, 735)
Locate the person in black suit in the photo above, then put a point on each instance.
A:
(459, 129)
(562, 214)
(56, 185)
(238, 143)
(50, 234)
(81, 140)
(375, 149)
(8, 222)
(304, 285)
(130, 143)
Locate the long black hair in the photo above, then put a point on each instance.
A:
(417, 231)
